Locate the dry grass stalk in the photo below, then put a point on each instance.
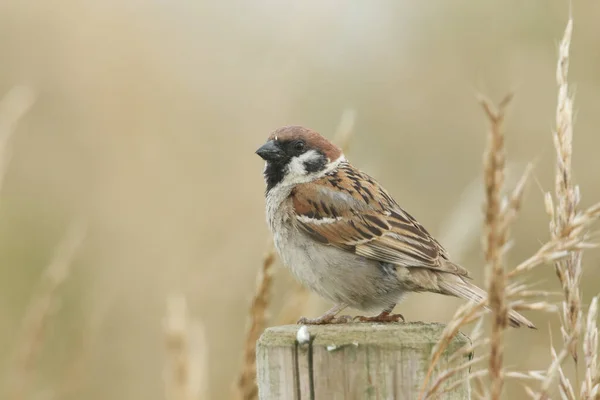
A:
(479, 388)
(466, 314)
(568, 270)
(199, 350)
(499, 214)
(460, 229)
(560, 248)
(77, 369)
(553, 369)
(529, 391)
(74, 377)
(13, 107)
(555, 249)
(477, 376)
(246, 385)
(564, 385)
(445, 375)
(570, 226)
(527, 375)
(40, 309)
(496, 236)
(512, 205)
(186, 371)
(476, 341)
(590, 388)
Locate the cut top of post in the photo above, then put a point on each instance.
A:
(353, 361)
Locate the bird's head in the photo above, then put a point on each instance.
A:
(295, 155)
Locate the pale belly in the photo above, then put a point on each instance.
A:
(338, 275)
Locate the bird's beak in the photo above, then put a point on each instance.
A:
(270, 151)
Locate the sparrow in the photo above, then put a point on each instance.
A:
(344, 236)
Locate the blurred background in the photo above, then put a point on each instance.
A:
(146, 119)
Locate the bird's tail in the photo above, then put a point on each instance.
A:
(455, 286)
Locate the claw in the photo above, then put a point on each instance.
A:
(383, 317)
(328, 318)
(342, 319)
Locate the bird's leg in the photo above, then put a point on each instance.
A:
(385, 316)
(328, 318)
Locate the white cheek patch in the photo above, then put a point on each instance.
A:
(296, 168)
(296, 171)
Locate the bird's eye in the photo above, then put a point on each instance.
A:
(299, 146)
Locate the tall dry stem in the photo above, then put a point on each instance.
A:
(246, 386)
(499, 213)
(568, 270)
(569, 229)
(568, 226)
(13, 107)
(495, 237)
(460, 229)
(466, 314)
(590, 388)
(186, 371)
(39, 311)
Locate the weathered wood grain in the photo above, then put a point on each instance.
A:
(351, 361)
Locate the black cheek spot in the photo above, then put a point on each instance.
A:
(315, 165)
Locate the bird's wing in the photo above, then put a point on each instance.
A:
(350, 210)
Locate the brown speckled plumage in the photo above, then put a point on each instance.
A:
(369, 222)
(345, 237)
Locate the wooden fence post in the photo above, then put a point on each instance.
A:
(352, 361)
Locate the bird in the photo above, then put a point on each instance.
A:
(344, 236)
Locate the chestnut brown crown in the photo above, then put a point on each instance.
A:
(312, 139)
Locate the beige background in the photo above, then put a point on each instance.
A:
(146, 123)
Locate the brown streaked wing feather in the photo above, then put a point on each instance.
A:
(350, 210)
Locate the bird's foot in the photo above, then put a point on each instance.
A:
(382, 317)
(325, 319)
